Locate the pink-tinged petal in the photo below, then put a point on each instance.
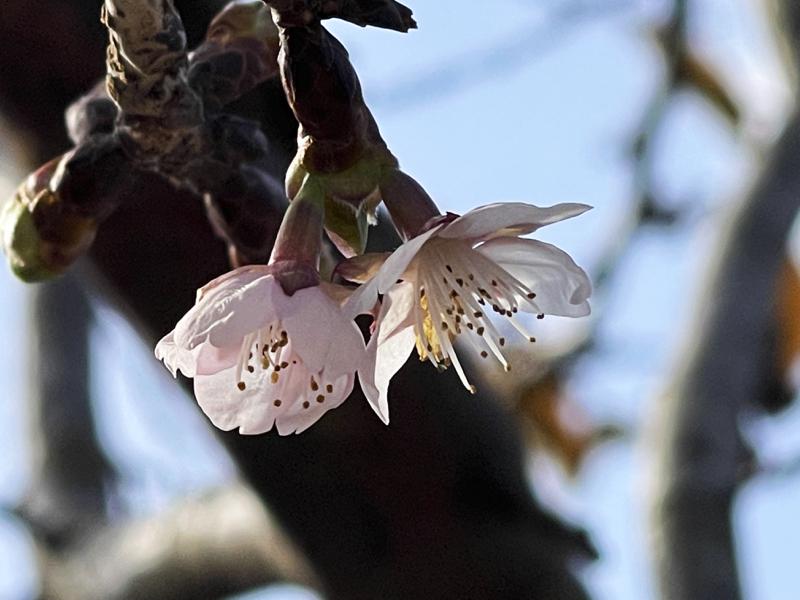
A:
(175, 358)
(204, 359)
(361, 269)
(321, 335)
(300, 417)
(259, 417)
(389, 348)
(562, 288)
(223, 403)
(257, 406)
(210, 359)
(232, 279)
(242, 311)
(508, 219)
(233, 306)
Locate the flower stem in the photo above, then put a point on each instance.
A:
(300, 235)
(408, 203)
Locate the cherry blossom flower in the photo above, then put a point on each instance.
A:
(270, 345)
(444, 283)
(260, 357)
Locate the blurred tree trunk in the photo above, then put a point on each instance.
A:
(728, 367)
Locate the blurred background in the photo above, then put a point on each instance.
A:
(670, 117)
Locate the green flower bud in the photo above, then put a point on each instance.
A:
(21, 243)
(40, 237)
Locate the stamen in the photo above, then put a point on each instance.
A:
(522, 331)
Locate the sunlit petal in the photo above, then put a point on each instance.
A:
(508, 219)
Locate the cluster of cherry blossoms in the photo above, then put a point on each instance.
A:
(276, 345)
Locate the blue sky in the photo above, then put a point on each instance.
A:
(506, 103)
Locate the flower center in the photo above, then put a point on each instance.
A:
(456, 286)
(268, 361)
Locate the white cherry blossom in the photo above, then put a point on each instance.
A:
(262, 358)
(445, 283)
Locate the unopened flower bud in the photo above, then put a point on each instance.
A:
(40, 235)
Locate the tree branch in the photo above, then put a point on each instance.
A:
(204, 549)
(701, 458)
(71, 472)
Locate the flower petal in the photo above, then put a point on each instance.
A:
(234, 278)
(204, 359)
(228, 311)
(321, 335)
(175, 358)
(508, 219)
(228, 407)
(365, 297)
(336, 292)
(246, 310)
(300, 417)
(562, 287)
(389, 348)
(398, 262)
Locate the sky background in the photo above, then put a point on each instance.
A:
(524, 101)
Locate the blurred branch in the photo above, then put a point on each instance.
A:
(203, 549)
(70, 474)
(534, 400)
(683, 70)
(701, 457)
